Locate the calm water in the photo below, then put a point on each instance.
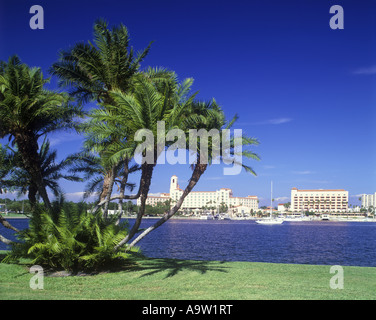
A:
(328, 243)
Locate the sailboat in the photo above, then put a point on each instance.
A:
(270, 220)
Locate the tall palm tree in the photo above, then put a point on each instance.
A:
(149, 102)
(91, 71)
(29, 111)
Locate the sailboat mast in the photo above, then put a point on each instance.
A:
(271, 198)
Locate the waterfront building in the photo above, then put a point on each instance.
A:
(368, 200)
(320, 200)
(281, 208)
(266, 211)
(206, 200)
(152, 200)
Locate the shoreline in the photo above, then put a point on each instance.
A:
(5, 251)
(331, 219)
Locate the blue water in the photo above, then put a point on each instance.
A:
(318, 242)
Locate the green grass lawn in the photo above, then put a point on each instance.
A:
(181, 279)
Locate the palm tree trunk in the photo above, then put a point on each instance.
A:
(33, 189)
(28, 148)
(145, 181)
(6, 224)
(108, 185)
(197, 173)
(5, 240)
(123, 183)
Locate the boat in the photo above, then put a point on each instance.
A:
(207, 217)
(325, 217)
(270, 220)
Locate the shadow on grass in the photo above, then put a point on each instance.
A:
(138, 262)
(3, 254)
(153, 266)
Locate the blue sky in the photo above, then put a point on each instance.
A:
(307, 92)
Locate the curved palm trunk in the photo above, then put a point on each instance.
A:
(6, 224)
(123, 183)
(108, 184)
(145, 181)
(28, 148)
(197, 173)
(5, 240)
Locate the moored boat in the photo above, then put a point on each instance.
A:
(270, 220)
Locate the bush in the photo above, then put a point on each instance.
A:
(70, 240)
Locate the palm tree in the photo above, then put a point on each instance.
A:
(216, 120)
(92, 71)
(28, 111)
(150, 103)
(51, 172)
(153, 99)
(6, 167)
(188, 114)
(89, 166)
(93, 169)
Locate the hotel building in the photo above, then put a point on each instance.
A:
(153, 200)
(198, 200)
(319, 200)
(368, 200)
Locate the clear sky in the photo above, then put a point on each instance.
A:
(307, 92)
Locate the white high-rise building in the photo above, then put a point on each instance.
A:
(206, 199)
(320, 200)
(368, 200)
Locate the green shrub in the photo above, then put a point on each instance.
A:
(70, 240)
